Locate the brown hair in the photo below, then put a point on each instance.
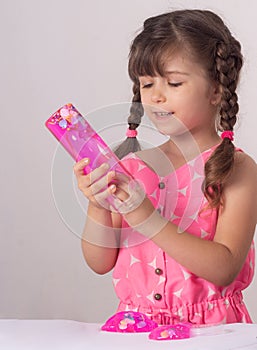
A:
(208, 40)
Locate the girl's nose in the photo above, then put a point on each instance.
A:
(158, 95)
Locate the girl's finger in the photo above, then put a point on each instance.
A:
(93, 176)
(121, 194)
(100, 198)
(99, 185)
(78, 167)
(121, 177)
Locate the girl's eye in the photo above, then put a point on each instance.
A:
(143, 86)
(175, 84)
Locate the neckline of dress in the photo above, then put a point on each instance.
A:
(211, 149)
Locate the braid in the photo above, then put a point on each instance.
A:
(131, 144)
(227, 67)
(219, 166)
(136, 109)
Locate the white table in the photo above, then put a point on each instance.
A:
(72, 335)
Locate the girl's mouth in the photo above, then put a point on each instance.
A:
(162, 115)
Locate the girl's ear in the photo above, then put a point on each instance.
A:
(216, 94)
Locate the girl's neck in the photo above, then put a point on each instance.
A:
(188, 146)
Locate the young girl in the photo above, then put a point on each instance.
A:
(181, 245)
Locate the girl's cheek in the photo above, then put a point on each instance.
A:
(146, 109)
(144, 98)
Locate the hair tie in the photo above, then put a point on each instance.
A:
(228, 134)
(131, 133)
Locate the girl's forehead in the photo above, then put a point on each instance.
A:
(157, 60)
(176, 61)
(176, 64)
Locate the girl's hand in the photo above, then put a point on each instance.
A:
(128, 194)
(93, 185)
(100, 184)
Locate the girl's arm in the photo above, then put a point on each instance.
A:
(100, 240)
(218, 261)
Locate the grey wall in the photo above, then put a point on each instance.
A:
(59, 51)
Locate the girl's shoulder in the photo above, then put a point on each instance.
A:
(144, 157)
(153, 160)
(244, 162)
(156, 160)
(244, 171)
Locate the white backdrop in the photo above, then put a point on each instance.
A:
(58, 51)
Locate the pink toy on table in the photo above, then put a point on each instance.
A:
(129, 322)
(172, 332)
(137, 322)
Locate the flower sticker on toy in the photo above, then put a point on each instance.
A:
(129, 322)
(171, 332)
(63, 123)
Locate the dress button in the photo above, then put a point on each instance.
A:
(159, 210)
(157, 296)
(158, 271)
(161, 185)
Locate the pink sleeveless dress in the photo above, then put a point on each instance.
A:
(147, 280)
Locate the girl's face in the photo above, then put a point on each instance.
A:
(183, 100)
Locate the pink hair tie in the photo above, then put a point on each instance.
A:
(228, 134)
(131, 133)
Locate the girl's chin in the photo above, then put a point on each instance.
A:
(173, 132)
